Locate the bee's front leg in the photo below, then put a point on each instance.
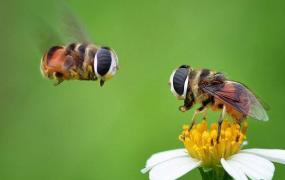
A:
(205, 112)
(202, 109)
(188, 103)
(183, 108)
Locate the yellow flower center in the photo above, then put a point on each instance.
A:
(201, 141)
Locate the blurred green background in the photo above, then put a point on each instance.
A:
(81, 131)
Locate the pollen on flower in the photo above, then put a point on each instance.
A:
(201, 141)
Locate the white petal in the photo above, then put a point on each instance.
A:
(173, 169)
(232, 170)
(162, 157)
(275, 155)
(253, 166)
(238, 166)
(244, 143)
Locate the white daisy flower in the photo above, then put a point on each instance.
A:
(201, 150)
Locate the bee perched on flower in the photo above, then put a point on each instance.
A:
(223, 160)
(213, 90)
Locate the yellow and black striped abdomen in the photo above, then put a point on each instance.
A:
(83, 58)
(74, 61)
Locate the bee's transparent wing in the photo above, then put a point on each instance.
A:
(239, 97)
(71, 26)
(61, 29)
(258, 107)
(45, 35)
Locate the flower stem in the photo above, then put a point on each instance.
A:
(217, 173)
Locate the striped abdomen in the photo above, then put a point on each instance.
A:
(74, 61)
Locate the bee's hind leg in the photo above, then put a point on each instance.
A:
(242, 125)
(220, 122)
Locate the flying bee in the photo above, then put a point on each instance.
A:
(79, 61)
(72, 61)
(214, 91)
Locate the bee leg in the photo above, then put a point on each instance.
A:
(188, 103)
(198, 111)
(220, 122)
(58, 77)
(59, 81)
(193, 121)
(205, 105)
(240, 122)
(205, 114)
(240, 125)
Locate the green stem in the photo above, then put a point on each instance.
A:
(217, 173)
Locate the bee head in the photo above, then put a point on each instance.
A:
(179, 81)
(105, 64)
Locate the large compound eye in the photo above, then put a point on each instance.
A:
(179, 82)
(105, 63)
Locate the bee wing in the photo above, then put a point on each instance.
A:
(261, 101)
(61, 29)
(71, 25)
(45, 36)
(239, 97)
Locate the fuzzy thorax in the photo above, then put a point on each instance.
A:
(201, 141)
